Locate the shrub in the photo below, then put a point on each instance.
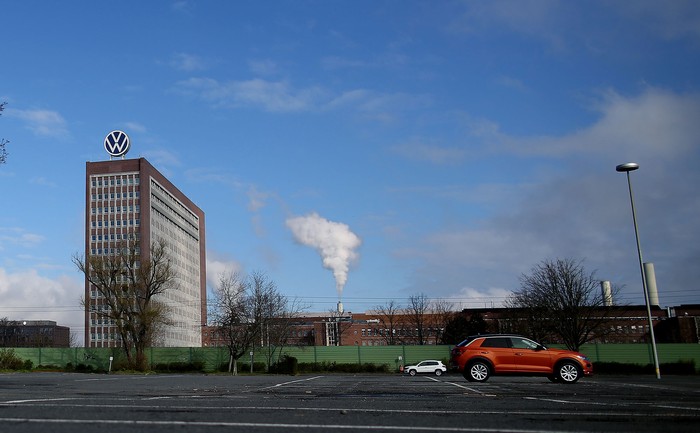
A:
(286, 365)
(179, 367)
(333, 367)
(671, 368)
(10, 361)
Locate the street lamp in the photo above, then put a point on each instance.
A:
(626, 168)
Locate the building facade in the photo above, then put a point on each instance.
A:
(130, 199)
(625, 324)
(33, 333)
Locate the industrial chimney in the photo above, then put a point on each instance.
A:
(650, 277)
(340, 307)
(606, 293)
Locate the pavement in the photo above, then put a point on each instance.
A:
(70, 402)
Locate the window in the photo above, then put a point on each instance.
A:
(496, 342)
(522, 343)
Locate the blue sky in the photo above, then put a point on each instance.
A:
(441, 148)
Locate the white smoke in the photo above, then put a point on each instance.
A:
(334, 242)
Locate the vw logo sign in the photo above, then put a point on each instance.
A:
(117, 143)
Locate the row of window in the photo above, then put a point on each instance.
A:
(117, 223)
(115, 195)
(102, 321)
(403, 332)
(115, 209)
(173, 215)
(124, 180)
(115, 237)
(174, 201)
(109, 251)
(106, 336)
(164, 223)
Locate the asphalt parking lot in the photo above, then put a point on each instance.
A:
(57, 402)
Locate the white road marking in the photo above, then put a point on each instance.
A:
(269, 425)
(290, 382)
(458, 385)
(37, 400)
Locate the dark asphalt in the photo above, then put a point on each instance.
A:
(56, 402)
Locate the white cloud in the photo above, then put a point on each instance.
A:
(42, 122)
(435, 154)
(26, 295)
(281, 96)
(217, 265)
(187, 62)
(670, 20)
(273, 96)
(577, 206)
(134, 127)
(19, 237)
(43, 181)
(469, 297)
(263, 67)
(163, 158)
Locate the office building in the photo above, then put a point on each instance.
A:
(129, 197)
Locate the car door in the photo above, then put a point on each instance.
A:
(498, 350)
(531, 357)
(426, 367)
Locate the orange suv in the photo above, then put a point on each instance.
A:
(481, 356)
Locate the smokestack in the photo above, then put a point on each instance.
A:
(650, 277)
(606, 293)
(340, 307)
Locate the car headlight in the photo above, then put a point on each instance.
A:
(582, 357)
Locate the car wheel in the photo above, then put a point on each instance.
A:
(412, 372)
(478, 371)
(438, 372)
(568, 372)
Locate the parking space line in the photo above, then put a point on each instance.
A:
(554, 400)
(36, 400)
(285, 426)
(594, 403)
(476, 391)
(289, 383)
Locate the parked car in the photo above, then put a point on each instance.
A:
(428, 366)
(482, 356)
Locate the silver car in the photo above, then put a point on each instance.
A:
(429, 366)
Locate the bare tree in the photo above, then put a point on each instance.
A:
(462, 325)
(390, 315)
(441, 313)
(249, 312)
(233, 318)
(127, 286)
(6, 332)
(3, 142)
(275, 314)
(559, 299)
(417, 310)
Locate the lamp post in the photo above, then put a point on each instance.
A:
(626, 168)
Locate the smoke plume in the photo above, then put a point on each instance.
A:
(334, 242)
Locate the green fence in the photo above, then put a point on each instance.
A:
(393, 356)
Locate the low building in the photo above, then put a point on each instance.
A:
(623, 324)
(33, 333)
